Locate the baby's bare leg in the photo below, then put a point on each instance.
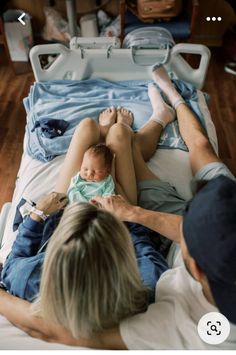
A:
(87, 133)
(119, 139)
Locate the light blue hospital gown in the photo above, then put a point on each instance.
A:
(81, 190)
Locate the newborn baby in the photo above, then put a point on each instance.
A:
(94, 177)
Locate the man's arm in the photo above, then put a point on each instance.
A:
(19, 313)
(166, 224)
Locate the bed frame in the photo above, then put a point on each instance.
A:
(103, 58)
(88, 58)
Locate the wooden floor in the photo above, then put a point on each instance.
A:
(222, 89)
(13, 88)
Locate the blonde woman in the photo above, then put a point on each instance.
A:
(91, 273)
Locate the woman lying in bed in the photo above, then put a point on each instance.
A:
(90, 279)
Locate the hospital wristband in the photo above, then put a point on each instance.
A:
(39, 213)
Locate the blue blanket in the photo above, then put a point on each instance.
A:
(74, 100)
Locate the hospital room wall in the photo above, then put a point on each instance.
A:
(209, 33)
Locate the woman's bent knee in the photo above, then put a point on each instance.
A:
(87, 123)
(120, 132)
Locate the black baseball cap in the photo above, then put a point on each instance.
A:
(209, 228)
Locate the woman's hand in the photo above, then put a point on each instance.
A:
(52, 202)
(117, 205)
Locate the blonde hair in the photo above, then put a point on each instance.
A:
(90, 279)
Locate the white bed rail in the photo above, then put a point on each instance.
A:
(109, 62)
(183, 70)
(3, 219)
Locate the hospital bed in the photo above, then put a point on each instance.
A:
(89, 59)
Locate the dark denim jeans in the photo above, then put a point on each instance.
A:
(26, 258)
(151, 262)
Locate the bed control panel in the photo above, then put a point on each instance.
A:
(94, 42)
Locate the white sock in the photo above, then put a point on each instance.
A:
(162, 113)
(161, 77)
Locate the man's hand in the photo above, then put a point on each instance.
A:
(166, 224)
(116, 205)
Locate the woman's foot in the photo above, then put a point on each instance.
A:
(124, 116)
(162, 113)
(106, 119)
(161, 77)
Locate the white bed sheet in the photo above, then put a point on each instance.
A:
(12, 338)
(36, 178)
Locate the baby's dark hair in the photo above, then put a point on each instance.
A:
(102, 150)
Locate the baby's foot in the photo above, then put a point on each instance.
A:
(161, 77)
(124, 116)
(107, 117)
(162, 113)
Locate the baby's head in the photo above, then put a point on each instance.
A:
(97, 163)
